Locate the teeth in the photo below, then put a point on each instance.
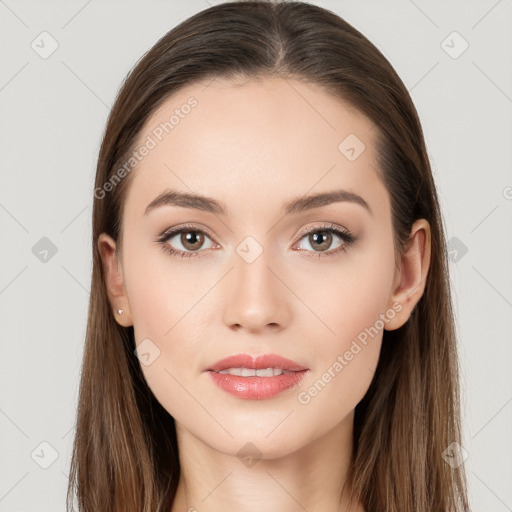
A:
(251, 372)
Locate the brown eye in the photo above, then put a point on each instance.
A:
(320, 240)
(327, 240)
(185, 241)
(192, 240)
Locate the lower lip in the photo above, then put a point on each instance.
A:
(256, 388)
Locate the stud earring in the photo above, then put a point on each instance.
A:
(120, 311)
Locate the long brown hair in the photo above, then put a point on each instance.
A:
(125, 455)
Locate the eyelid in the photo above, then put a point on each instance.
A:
(300, 234)
(322, 226)
(341, 231)
(182, 227)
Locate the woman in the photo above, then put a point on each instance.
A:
(270, 324)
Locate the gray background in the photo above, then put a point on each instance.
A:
(53, 112)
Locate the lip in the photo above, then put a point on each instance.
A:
(256, 362)
(256, 388)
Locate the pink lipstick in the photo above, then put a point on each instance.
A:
(256, 377)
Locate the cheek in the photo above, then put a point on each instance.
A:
(351, 292)
(168, 318)
(178, 308)
(352, 308)
(161, 292)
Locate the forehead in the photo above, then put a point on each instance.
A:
(273, 139)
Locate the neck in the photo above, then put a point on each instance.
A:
(310, 478)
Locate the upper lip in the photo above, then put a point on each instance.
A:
(259, 362)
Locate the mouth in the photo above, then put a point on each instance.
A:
(252, 372)
(247, 364)
(256, 377)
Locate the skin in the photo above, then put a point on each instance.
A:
(255, 146)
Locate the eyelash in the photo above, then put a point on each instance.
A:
(343, 233)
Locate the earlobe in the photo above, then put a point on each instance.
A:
(114, 280)
(412, 274)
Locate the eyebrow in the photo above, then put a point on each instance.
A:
(208, 204)
(324, 198)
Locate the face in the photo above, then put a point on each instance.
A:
(258, 268)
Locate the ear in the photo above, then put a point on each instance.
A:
(410, 277)
(114, 280)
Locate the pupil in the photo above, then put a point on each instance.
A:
(192, 238)
(321, 238)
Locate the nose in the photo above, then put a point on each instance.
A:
(255, 296)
